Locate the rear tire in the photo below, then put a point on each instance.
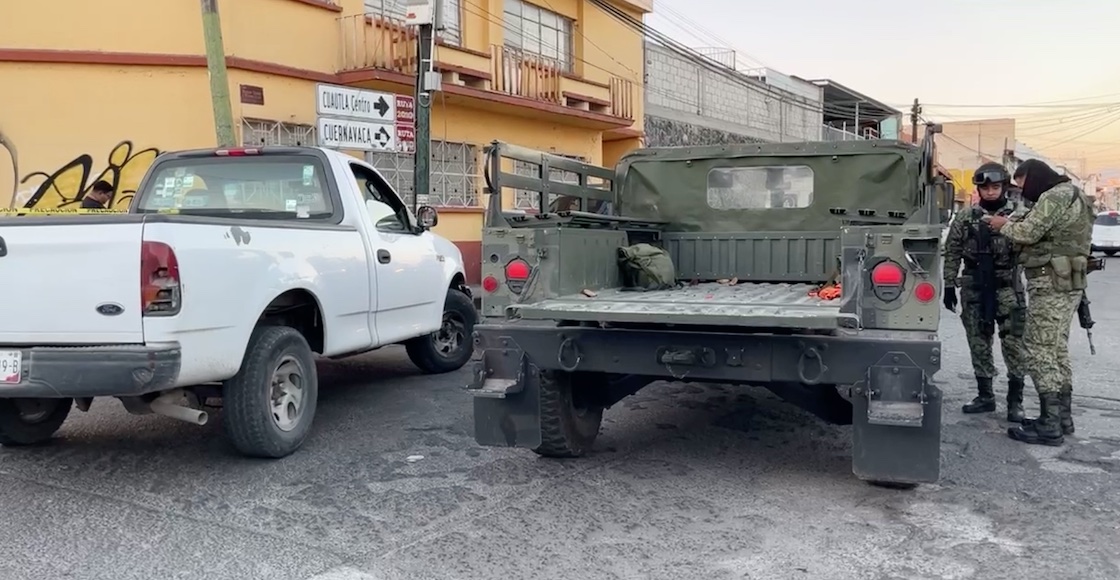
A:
(269, 405)
(569, 425)
(1110, 253)
(31, 421)
(450, 347)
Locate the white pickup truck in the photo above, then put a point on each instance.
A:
(231, 268)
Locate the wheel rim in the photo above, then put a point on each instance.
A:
(287, 393)
(451, 335)
(32, 411)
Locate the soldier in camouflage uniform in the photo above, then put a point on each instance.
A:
(1054, 240)
(992, 182)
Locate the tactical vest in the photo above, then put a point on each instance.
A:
(1072, 234)
(1003, 251)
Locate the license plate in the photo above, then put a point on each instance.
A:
(11, 366)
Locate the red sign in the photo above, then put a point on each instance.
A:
(406, 110)
(406, 138)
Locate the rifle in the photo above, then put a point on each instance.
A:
(1084, 315)
(984, 282)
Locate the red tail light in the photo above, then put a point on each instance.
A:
(925, 292)
(490, 284)
(887, 279)
(517, 272)
(239, 152)
(160, 290)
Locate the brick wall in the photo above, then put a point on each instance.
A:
(680, 92)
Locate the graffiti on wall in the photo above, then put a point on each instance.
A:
(64, 186)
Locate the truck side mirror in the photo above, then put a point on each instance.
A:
(427, 216)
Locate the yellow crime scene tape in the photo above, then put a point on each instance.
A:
(18, 211)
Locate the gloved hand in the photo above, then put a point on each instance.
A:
(950, 298)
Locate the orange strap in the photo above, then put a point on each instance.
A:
(826, 293)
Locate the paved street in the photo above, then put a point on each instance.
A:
(689, 481)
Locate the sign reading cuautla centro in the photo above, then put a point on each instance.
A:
(350, 118)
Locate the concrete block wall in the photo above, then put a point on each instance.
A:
(682, 92)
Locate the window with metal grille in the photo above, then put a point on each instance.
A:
(262, 132)
(394, 10)
(538, 31)
(454, 173)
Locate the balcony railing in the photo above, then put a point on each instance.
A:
(522, 74)
(376, 42)
(624, 98)
(829, 133)
(384, 43)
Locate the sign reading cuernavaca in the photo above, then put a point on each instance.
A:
(350, 118)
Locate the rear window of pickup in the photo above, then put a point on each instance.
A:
(268, 186)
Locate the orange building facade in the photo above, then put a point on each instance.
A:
(97, 89)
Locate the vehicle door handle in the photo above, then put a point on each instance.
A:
(3, 248)
(383, 256)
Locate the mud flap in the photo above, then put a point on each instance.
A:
(896, 423)
(506, 389)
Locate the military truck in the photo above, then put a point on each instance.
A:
(757, 235)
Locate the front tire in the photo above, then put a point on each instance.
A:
(570, 421)
(31, 421)
(1110, 253)
(270, 403)
(450, 347)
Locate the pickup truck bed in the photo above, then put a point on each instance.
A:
(773, 305)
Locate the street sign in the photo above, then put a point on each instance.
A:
(372, 106)
(360, 135)
(406, 138)
(406, 123)
(406, 110)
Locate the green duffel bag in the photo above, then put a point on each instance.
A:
(646, 267)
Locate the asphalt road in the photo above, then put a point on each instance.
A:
(688, 481)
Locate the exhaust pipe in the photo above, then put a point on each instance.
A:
(165, 406)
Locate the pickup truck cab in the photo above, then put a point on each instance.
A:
(230, 271)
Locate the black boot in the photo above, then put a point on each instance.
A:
(1015, 399)
(985, 402)
(1046, 430)
(1066, 412)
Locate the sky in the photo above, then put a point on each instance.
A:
(1062, 57)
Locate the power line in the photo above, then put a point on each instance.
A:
(688, 54)
(710, 34)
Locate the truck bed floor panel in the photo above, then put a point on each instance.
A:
(744, 304)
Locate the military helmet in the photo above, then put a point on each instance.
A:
(990, 173)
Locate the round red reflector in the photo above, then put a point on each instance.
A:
(925, 292)
(517, 270)
(886, 274)
(490, 284)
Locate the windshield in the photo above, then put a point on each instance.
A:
(272, 186)
(1107, 219)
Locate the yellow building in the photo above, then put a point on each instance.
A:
(93, 90)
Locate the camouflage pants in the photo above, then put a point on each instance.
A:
(1049, 315)
(980, 346)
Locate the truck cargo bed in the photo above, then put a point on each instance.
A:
(761, 305)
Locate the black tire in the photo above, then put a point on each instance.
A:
(251, 422)
(569, 427)
(450, 347)
(1110, 253)
(31, 421)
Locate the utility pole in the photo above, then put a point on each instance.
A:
(425, 14)
(219, 81)
(914, 112)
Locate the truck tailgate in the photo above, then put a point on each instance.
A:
(743, 305)
(76, 283)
